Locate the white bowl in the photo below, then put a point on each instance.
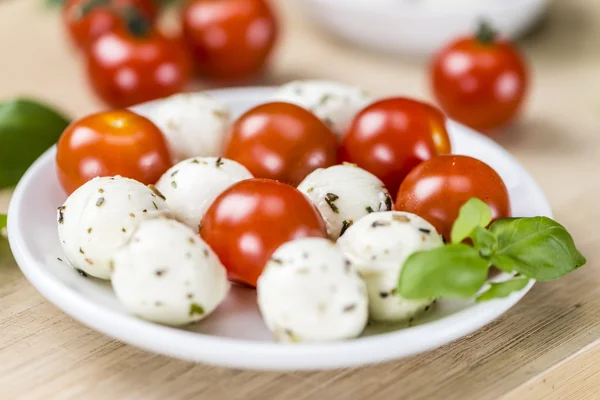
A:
(235, 335)
(420, 27)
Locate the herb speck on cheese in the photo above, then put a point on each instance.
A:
(87, 260)
(310, 189)
(220, 114)
(324, 99)
(157, 192)
(174, 173)
(377, 223)
(82, 273)
(205, 252)
(132, 215)
(219, 162)
(400, 218)
(100, 190)
(100, 201)
(174, 184)
(349, 308)
(194, 161)
(388, 201)
(81, 250)
(89, 230)
(276, 261)
(425, 230)
(155, 206)
(61, 215)
(330, 198)
(369, 209)
(190, 295)
(345, 226)
(160, 272)
(196, 309)
(383, 295)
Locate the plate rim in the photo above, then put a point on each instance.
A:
(244, 353)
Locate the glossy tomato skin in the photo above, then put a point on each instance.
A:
(110, 143)
(436, 189)
(84, 29)
(229, 39)
(126, 69)
(251, 219)
(482, 85)
(281, 141)
(391, 136)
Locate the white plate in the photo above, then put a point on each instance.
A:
(235, 335)
(420, 27)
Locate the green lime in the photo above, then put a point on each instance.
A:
(27, 129)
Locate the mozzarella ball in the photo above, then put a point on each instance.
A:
(343, 194)
(167, 274)
(310, 292)
(334, 103)
(99, 217)
(192, 185)
(378, 245)
(194, 124)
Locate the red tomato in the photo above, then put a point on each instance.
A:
(86, 20)
(281, 141)
(251, 219)
(229, 39)
(480, 81)
(110, 143)
(129, 67)
(437, 189)
(391, 136)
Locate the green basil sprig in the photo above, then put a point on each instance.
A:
(529, 248)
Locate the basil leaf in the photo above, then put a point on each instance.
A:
(454, 270)
(503, 289)
(472, 214)
(2, 221)
(484, 241)
(536, 247)
(27, 129)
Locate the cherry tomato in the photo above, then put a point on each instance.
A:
(229, 39)
(480, 81)
(132, 65)
(110, 143)
(281, 141)
(251, 219)
(86, 20)
(391, 136)
(437, 188)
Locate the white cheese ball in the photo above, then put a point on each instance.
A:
(99, 217)
(334, 103)
(193, 184)
(167, 274)
(310, 292)
(378, 245)
(194, 124)
(344, 194)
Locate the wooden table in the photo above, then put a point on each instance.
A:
(546, 347)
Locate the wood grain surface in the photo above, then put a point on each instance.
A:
(547, 347)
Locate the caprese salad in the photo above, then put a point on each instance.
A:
(338, 208)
